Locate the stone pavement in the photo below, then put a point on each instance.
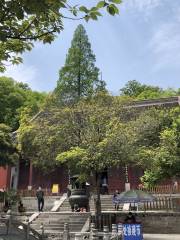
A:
(161, 236)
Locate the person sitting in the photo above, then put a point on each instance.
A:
(130, 218)
(76, 208)
(6, 206)
(21, 207)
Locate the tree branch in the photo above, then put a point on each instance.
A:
(32, 37)
(29, 25)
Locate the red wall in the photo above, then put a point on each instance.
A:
(4, 177)
(58, 176)
(135, 173)
(116, 178)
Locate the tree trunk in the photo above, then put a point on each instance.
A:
(97, 202)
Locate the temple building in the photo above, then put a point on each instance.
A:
(25, 176)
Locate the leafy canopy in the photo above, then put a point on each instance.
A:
(22, 22)
(163, 159)
(140, 91)
(75, 130)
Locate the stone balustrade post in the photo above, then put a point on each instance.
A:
(94, 235)
(8, 223)
(78, 236)
(114, 229)
(42, 231)
(66, 232)
(106, 233)
(92, 225)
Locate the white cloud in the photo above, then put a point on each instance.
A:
(141, 9)
(23, 73)
(165, 43)
(141, 5)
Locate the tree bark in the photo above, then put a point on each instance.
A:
(97, 202)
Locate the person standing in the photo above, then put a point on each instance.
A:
(40, 198)
(175, 186)
(115, 200)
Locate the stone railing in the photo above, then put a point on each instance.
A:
(161, 222)
(162, 189)
(94, 234)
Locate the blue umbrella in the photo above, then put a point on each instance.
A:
(134, 196)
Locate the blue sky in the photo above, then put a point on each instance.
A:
(142, 43)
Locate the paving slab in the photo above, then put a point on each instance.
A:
(161, 236)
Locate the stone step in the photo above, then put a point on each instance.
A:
(54, 221)
(57, 221)
(64, 215)
(59, 226)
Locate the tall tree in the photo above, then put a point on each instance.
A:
(79, 77)
(22, 22)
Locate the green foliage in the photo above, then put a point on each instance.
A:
(12, 197)
(77, 132)
(161, 158)
(14, 98)
(22, 22)
(8, 152)
(140, 91)
(79, 76)
(148, 125)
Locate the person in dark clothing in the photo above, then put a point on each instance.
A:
(115, 200)
(21, 207)
(40, 198)
(130, 218)
(76, 208)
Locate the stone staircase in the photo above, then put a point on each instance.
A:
(53, 222)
